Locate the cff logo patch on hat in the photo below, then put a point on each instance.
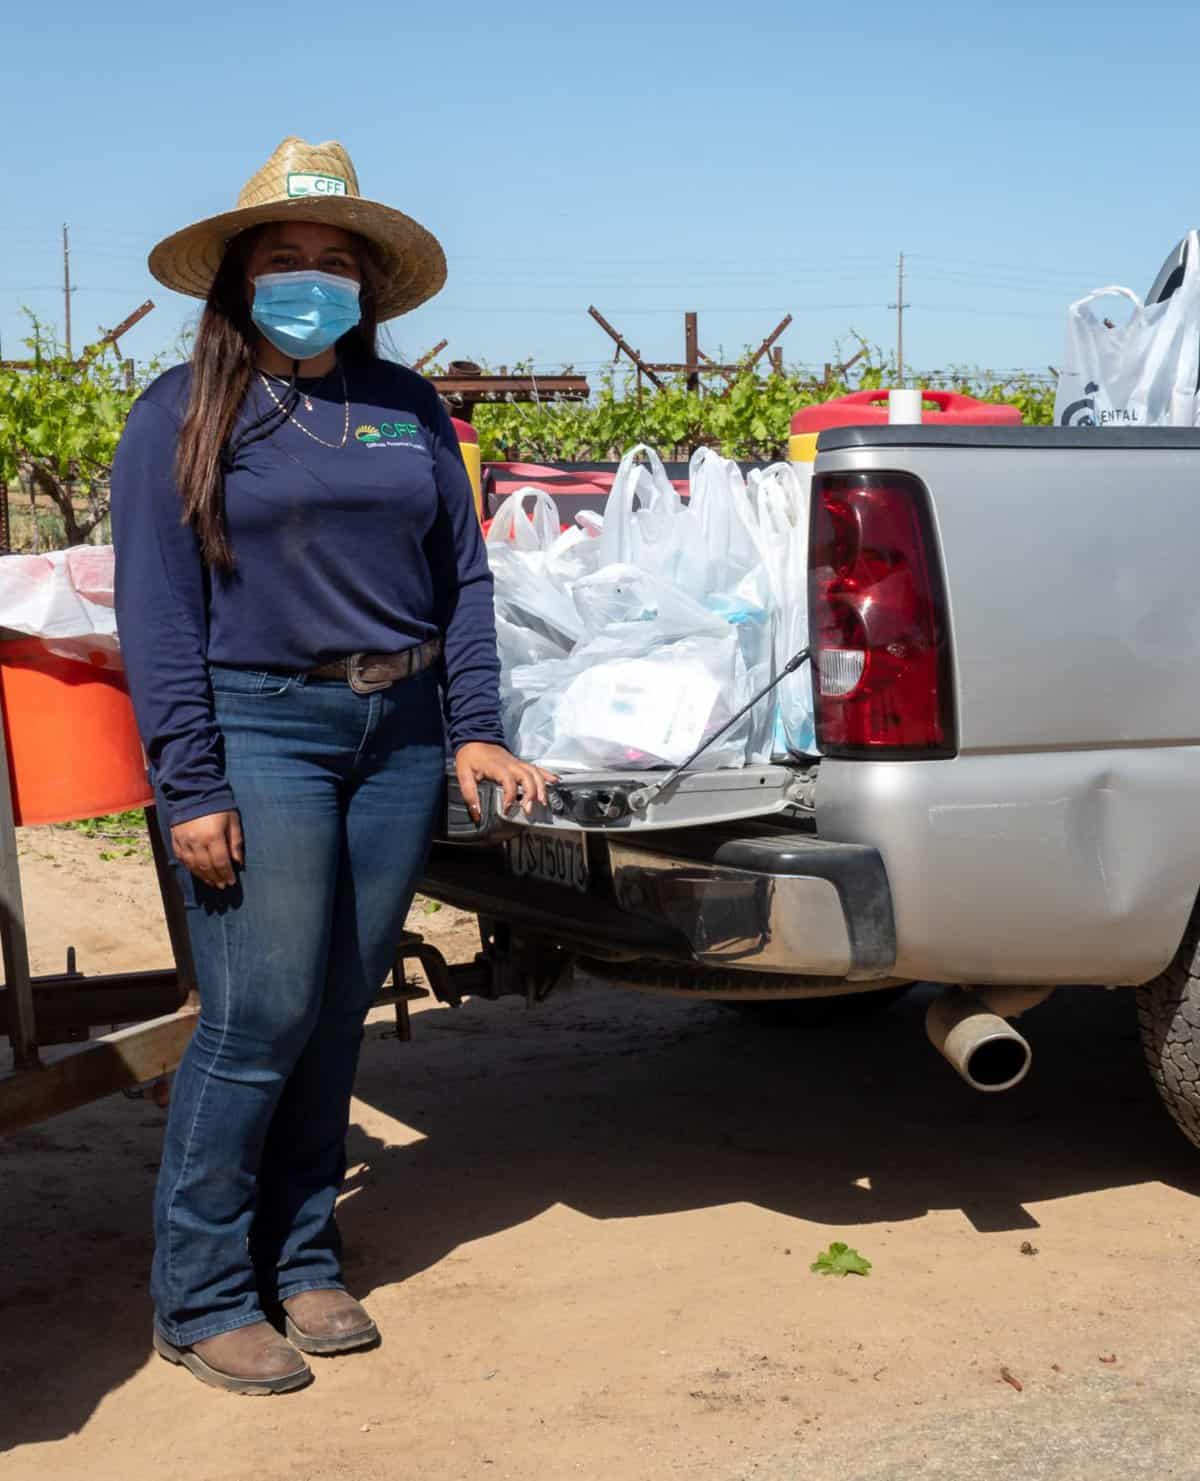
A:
(306, 184)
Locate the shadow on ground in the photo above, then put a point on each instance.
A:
(613, 1104)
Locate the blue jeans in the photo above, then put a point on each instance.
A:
(338, 795)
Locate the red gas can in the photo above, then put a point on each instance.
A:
(870, 408)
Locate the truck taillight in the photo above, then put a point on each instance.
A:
(877, 619)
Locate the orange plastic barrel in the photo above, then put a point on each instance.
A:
(468, 442)
(73, 747)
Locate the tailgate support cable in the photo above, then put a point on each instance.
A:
(640, 800)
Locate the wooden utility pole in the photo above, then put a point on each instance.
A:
(900, 306)
(67, 288)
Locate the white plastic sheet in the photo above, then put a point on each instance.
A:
(66, 599)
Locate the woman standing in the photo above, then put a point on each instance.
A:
(305, 610)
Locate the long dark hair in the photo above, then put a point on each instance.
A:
(222, 366)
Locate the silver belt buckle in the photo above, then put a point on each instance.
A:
(354, 668)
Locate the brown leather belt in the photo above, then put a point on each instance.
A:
(367, 672)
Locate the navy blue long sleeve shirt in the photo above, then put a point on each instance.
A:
(372, 547)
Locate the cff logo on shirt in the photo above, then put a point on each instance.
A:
(390, 434)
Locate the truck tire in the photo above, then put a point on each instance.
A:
(1169, 1020)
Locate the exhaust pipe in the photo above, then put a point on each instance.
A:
(970, 1030)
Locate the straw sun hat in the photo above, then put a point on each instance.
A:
(309, 182)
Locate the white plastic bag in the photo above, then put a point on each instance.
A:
(780, 497)
(525, 555)
(519, 645)
(627, 594)
(512, 526)
(576, 552)
(1140, 374)
(677, 616)
(627, 699)
(718, 503)
(646, 525)
(66, 599)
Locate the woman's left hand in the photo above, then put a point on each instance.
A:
(479, 762)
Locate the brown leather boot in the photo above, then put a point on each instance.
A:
(249, 1360)
(327, 1322)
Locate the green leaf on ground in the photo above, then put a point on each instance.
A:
(431, 907)
(840, 1259)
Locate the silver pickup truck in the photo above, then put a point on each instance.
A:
(1005, 642)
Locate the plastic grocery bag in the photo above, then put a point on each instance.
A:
(629, 641)
(628, 699)
(512, 526)
(1141, 374)
(522, 645)
(779, 496)
(719, 504)
(627, 594)
(530, 569)
(646, 525)
(66, 599)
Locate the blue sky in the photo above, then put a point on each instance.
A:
(740, 160)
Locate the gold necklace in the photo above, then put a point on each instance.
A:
(337, 446)
(303, 395)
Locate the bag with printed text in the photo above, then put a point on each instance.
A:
(1143, 373)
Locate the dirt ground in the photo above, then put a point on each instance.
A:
(586, 1233)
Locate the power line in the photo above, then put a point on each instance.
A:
(111, 239)
(478, 308)
(973, 311)
(1059, 291)
(84, 288)
(1024, 269)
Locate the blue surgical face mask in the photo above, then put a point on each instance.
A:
(303, 313)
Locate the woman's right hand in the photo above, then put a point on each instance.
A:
(209, 847)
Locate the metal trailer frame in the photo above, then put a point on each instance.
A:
(150, 1015)
(61, 1009)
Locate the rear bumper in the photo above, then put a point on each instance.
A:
(774, 901)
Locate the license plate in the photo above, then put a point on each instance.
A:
(557, 856)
